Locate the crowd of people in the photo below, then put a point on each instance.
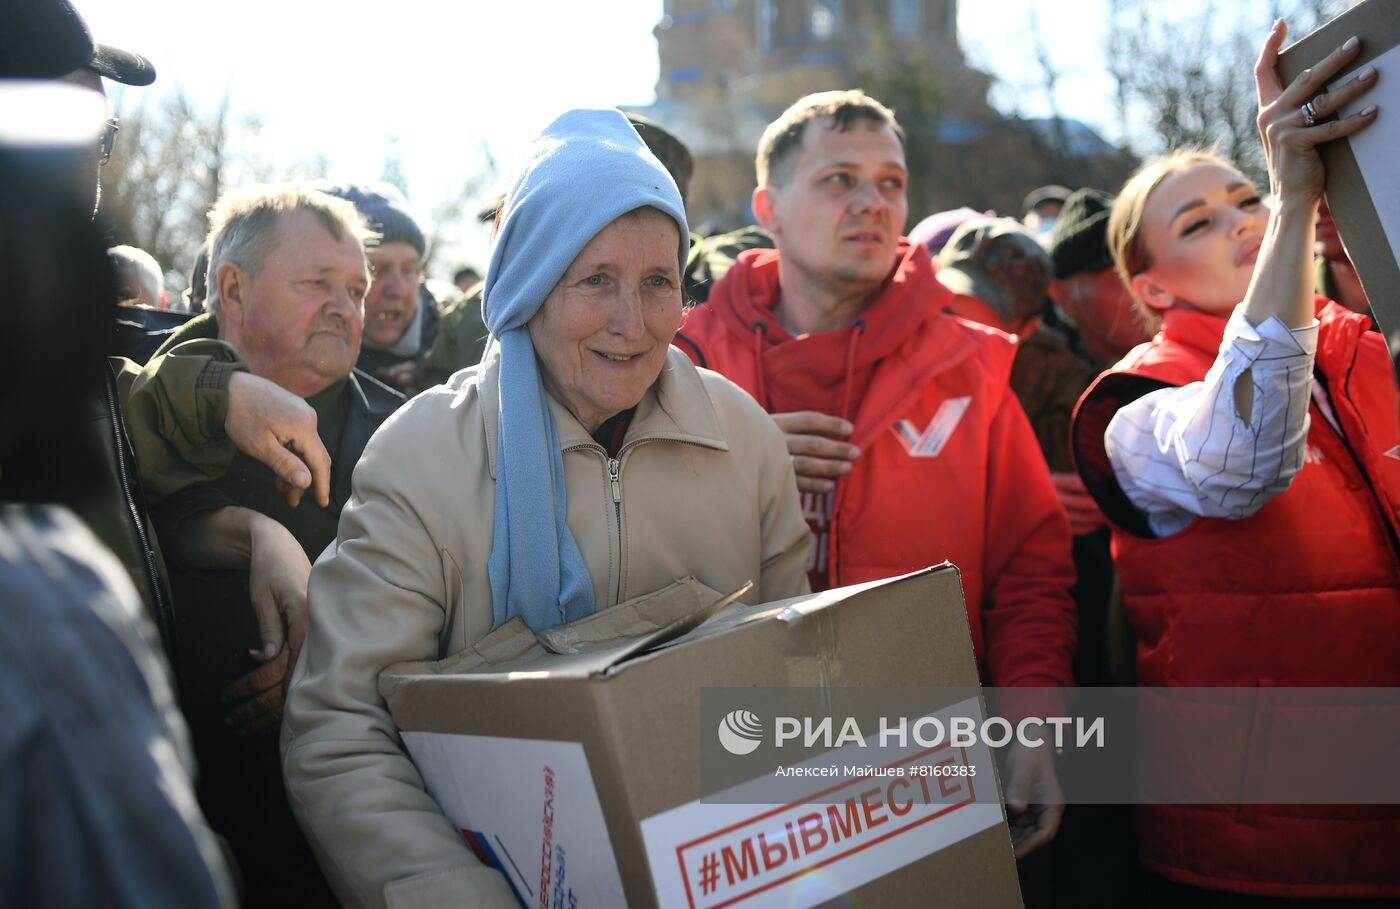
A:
(1156, 449)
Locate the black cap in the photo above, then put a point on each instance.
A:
(1080, 240)
(122, 66)
(47, 39)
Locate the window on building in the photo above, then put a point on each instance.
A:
(824, 18)
(906, 17)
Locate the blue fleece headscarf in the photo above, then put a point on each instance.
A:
(587, 168)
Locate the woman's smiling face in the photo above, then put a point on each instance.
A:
(1202, 228)
(603, 332)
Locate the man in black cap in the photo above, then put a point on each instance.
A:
(1086, 288)
(87, 462)
(95, 798)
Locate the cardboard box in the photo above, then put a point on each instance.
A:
(1363, 191)
(570, 761)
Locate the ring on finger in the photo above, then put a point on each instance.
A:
(1309, 114)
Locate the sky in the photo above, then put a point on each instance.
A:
(436, 83)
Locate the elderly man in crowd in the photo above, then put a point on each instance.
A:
(287, 284)
(139, 277)
(909, 446)
(1086, 289)
(401, 316)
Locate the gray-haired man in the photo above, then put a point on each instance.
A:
(287, 281)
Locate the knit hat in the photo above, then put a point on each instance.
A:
(997, 261)
(386, 210)
(933, 232)
(1080, 239)
(587, 168)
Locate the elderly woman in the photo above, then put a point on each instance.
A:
(583, 463)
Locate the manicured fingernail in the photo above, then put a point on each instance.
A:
(1367, 74)
(1369, 111)
(270, 650)
(845, 467)
(1351, 43)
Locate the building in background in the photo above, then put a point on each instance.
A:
(729, 67)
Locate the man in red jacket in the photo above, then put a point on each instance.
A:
(908, 444)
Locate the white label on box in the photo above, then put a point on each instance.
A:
(527, 807)
(709, 855)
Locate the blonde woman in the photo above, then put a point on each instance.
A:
(1241, 456)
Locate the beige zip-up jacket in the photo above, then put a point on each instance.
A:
(702, 486)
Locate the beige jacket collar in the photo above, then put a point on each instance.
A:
(676, 408)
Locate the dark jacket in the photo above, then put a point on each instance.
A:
(141, 330)
(117, 511)
(240, 787)
(95, 798)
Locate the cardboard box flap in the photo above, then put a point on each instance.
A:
(511, 644)
(580, 649)
(790, 610)
(645, 621)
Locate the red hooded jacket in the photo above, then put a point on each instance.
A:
(1304, 593)
(949, 468)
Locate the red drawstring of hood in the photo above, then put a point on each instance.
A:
(857, 329)
(760, 332)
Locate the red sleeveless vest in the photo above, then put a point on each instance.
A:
(1306, 592)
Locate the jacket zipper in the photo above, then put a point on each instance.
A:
(615, 477)
(163, 616)
(614, 468)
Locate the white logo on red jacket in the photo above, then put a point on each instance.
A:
(929, 442)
